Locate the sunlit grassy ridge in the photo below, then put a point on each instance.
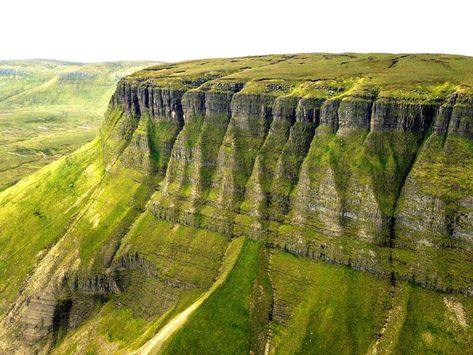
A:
(37, 211)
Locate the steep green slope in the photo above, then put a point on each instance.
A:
(321, 308)
(162, 268)
(38, 211)
(223, 324)
(50, 108)
(363, 161)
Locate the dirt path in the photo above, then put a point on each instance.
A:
(154, 344)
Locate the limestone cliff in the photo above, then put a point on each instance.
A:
(331, 178)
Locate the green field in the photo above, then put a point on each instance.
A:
(322, 309)
(50, 108)
(405, 76)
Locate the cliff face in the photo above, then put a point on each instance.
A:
(338, 179)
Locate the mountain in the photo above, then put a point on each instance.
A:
(50, 108)
(308, 203)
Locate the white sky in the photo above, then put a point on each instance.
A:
(171, 30)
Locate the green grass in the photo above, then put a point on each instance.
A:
(430, 326)
(118, 200)
(448, 166)
(48, 109)
(324, 309)
(36, 212)
(421, 77)
(222, 324)
(321, 309)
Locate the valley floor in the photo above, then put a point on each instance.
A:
(50, 108)
(33, 137)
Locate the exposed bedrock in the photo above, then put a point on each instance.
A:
(330, 179)
(65, 302)
(160, 104)
(70, 298)
(456, 116)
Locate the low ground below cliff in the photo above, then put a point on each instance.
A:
(50, 108)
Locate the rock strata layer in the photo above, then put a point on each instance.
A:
(330, 179)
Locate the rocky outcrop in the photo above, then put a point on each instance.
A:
(262, 164)
(157, 103)
(401, 116)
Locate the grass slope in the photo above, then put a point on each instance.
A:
(35, 213)
(182, 262)
(322, 309)
(222, 324)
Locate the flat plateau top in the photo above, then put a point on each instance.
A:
(425, 77)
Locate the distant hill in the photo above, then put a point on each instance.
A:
(49, 108)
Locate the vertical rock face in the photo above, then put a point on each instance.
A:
(308, 110)
(329, 178)
(462, 226)
(289, 162)
(403, 117)
(259, 189)
(461, 121)
(251, 116)
(354, 114)
(39, 317)
(317, 203)
(419, 214)
(157, 103)
(435, 204)
(329, 115)
(193, 105)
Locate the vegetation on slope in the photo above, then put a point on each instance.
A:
(420, 77)
(36, 212)
(180, 264)
(222, 325)
(321, 308)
